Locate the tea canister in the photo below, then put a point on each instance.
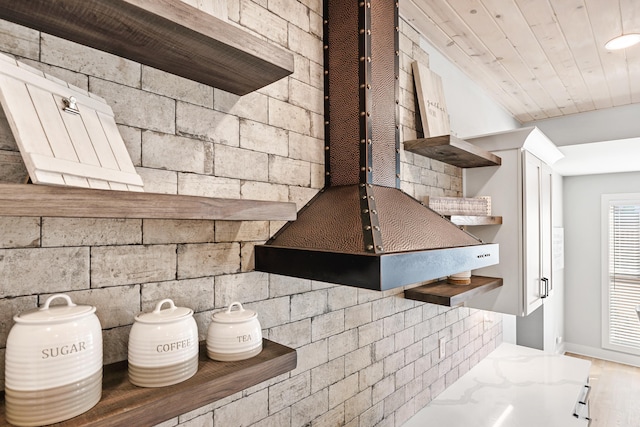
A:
(234, 334)
(53, 366)
(163, 346)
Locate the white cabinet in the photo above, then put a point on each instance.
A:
(521, 192)
(537, 231)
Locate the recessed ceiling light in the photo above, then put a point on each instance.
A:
(623, 41)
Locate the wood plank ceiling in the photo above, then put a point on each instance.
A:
(537, 58)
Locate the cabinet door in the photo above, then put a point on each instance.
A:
(532, 227)
(546, 229)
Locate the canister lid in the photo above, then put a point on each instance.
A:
(167, 315)
(234, 316)
(56, 313)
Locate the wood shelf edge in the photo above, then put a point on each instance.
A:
(443, 293)
(452, 150)
(123, 403)
(194, 44)
(71, 202)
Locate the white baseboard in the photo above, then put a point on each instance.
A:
(600, 353)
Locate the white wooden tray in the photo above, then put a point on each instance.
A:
(62, 142)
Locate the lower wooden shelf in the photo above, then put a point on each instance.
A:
(124, 404)
(444, 293)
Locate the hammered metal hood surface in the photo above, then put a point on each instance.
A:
(361, 229)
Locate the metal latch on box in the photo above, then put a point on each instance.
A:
(70, 105)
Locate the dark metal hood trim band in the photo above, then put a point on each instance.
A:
(376, 272)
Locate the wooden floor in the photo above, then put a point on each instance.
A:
(615, 395)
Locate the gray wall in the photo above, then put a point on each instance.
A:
(593, 126)
(582, 221)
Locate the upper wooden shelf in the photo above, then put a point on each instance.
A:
(444, 293)
(44, 200)
(165, 34)
(452, 150)
(124, 404)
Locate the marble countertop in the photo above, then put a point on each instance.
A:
(514, 386)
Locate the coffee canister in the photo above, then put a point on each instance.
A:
(53, 366)
(163, 346)
(234, 334)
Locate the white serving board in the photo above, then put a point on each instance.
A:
(59, 147)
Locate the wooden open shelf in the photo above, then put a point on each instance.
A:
(165, 34)
(452, 150)
(444, 293)
(475, 220)
(52, 201)
(124, 404)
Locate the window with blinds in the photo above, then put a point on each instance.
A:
(621, 284)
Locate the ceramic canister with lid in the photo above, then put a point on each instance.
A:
(53, 366)
(163, 346)
(234, 334)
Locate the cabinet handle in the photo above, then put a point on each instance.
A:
(582, 400)
(546, 287)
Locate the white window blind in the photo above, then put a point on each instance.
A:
(622, 279)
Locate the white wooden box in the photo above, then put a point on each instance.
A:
(461, 205)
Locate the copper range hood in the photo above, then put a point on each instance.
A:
(361, 229)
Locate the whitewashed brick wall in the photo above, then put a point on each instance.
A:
(365, 358)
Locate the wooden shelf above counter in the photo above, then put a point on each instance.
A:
(124, 404)
(444, 293)
(453, 151)
(51, 201)
(165, 34)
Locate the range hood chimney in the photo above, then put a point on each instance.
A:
(361, 229)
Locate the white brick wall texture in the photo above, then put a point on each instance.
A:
(365, 358)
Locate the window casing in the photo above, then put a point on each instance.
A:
(621, 272)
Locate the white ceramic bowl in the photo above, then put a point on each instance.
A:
(53, 368)
(234, 334)
(163, 346)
